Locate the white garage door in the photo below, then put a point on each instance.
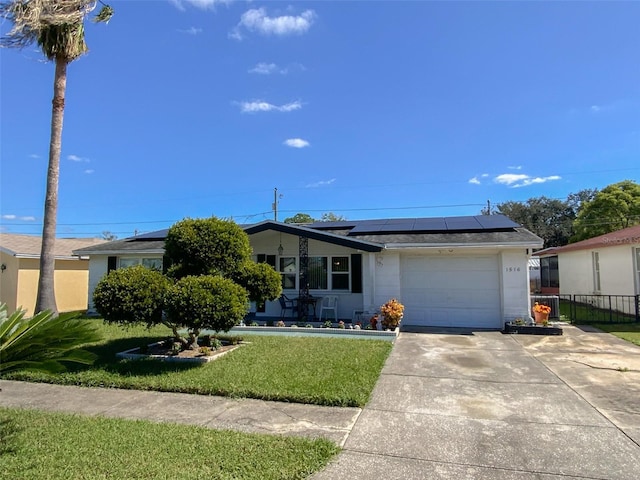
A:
(451, 291)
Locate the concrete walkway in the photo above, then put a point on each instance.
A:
(449, 404)
(246, 415)
(482, 405)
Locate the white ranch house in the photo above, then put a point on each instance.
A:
(605, 265)
(447, 271)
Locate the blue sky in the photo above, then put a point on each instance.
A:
(192, 108)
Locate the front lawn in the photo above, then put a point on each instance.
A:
(41, 445)
(626, 331)
(322, 371)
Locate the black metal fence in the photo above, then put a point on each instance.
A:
(600, 308)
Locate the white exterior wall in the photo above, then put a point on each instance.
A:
(514, 280)
(386, 283)
(97, 270)
(617, 271)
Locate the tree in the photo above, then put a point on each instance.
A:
(332, 217)
(615, 207)
(58, 29)
(107, 235)
(300, 218)
(551, 219)
(43, 342)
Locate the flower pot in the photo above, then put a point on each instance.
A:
(541, 317)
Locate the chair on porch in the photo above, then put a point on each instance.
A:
(330, 303)
(286, 303)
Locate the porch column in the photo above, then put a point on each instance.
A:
(303, 253)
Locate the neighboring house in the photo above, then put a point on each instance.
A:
(20, 270)
(604, 265)
(451, 271)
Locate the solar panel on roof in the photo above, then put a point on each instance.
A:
(157, 235)
(462, 223)
(429, 224)
(496, 221)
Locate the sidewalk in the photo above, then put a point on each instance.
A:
(246, 415)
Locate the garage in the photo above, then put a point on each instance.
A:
(451, 291)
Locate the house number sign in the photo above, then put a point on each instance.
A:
(511, 269)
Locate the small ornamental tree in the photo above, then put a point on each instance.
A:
(205, 302)
(131, 295)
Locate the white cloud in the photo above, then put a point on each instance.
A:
(321, 183)
(264, 68)
(76, 158)
(191, 31)
(34, 155)
(203, 4)
(296, 143)
(513, 180)
(15, 217)
(257, 20)
(517, 167)
(474, 181)
(89, 171)
(262, 106)
(484, 175)
(595, 108)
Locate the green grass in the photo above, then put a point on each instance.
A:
(40, 445)
(587, 314)
(626, 331)
(321, 371)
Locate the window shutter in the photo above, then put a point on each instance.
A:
(262, 258)
(111, 263)
(356, 273)
(166, 263)
(271, 260)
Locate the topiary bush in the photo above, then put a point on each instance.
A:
(206, 246)
(260, 280)
(131, 295)
(206, 302)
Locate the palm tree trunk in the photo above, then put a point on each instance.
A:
(46, 299)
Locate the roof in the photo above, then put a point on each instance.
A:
(626, 236)
(369, 235)
(29, 246)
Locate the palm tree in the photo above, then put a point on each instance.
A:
(57, 26)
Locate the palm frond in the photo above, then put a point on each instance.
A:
(44, 342)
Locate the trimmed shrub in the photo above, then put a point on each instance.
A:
(131, 295)
(260, 280)
(206, 246)
(206, 302)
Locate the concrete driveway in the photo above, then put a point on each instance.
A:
(482, 405)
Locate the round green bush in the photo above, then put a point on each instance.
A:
(131, 295)
(260, 280)
(206, 246)
(206, 302)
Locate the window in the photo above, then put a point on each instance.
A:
(317, 277)
(289, 272)
(596, 271)
(549, 276)
(340, 273)
(322, 277)
(153, 263)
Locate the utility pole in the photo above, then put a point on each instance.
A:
(274, 207)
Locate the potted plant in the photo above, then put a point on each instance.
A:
(541, 313)
(392, 313)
